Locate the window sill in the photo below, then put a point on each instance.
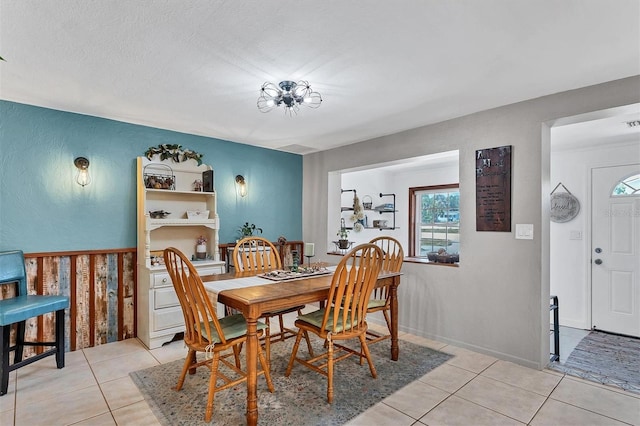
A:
(425, 261)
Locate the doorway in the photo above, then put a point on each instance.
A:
(578, 145)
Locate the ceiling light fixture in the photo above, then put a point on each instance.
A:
(288, 94)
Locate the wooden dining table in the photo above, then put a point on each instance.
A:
(255, 300)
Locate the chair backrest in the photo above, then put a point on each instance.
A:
(351, 286)
(256, 254)
(199, 313)
(393, 253)
(12, 270)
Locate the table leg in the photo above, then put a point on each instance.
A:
(252, 372)
(395, 350)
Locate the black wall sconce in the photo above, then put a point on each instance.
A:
(82, 178)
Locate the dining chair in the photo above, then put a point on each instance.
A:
(17, 309)
(205, 333)
(381, 297)
(344, 316)
(260, 255)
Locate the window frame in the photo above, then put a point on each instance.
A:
(412, 212)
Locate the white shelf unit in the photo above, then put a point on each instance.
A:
(159, 316)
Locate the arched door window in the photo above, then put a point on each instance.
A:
(628, 186)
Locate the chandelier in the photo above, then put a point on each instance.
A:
(289, 94)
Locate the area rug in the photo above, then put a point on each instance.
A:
(299, 399)
(605, 358)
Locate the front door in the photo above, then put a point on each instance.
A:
(615, 253)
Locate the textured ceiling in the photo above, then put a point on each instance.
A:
(381, 66)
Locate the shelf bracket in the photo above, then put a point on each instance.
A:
(394, 208)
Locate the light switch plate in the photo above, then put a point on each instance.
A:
(524, 231)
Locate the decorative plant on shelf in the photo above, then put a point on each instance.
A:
(358, 215)
(201, 247)
(247, 230)
(173, 151)
(343, 235)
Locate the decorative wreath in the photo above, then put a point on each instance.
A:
(173, 151)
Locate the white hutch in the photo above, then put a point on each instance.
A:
(166, 192)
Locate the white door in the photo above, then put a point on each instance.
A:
(615, 253)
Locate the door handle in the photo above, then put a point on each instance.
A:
(598, 261)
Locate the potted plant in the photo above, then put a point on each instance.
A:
(343, 235)
(247, 230)
(201, 248)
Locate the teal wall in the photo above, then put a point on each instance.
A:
(42, 208)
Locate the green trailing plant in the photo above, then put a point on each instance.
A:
(343, 233)
(248, 229)
(174, 152)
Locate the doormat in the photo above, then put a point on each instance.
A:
(300, 399)
(605, 358)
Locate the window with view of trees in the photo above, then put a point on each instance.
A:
(435, 219)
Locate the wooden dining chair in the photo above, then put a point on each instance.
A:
(16, 308)
(381, 298)
(260, 255)
(344, 316)
(205, 333)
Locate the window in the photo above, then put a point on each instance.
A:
(434, 219)
(629, 186)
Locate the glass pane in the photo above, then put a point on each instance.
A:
(629, 186)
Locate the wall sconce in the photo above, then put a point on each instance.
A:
(82, 178)
(242, 185)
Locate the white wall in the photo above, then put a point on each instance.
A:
(570, 258)
(395, 181)
(497, 301)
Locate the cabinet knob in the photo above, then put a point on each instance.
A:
(164, 280)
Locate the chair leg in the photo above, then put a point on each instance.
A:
(306, 337)
(365, 349)
(329, 342)
(294, 352)
(236, 355)
(281, 323)
(387, 319)
(186, 367)
(212, 386)
(267, 345)
(17, 357)
(4, 367)
(60, 338)
(266, 368)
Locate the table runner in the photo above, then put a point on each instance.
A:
(215, 287)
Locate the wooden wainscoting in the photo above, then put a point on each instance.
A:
(101, 285)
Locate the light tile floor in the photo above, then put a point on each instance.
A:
(470, 389)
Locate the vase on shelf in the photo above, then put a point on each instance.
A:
(201, 251)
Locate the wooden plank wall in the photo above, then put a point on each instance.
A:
(101, 285)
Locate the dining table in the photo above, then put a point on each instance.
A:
(252, 295)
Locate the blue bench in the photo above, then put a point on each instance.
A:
(18, 309)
